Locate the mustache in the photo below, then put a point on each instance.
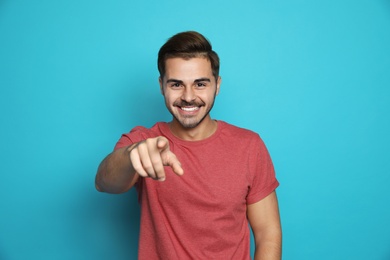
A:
(183, 103)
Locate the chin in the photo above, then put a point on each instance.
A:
(189, 124)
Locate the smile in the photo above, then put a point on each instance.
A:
(189, 109)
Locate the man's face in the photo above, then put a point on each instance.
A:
(189, 89)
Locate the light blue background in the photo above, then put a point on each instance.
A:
(312, 77)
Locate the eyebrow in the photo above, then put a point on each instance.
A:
(195, 81)
(174, 81)
(202, 79)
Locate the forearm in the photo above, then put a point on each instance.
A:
(269, 246)
(264, 219)
(115, 173)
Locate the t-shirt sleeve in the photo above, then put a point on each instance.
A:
(136, 135)
(263, 180)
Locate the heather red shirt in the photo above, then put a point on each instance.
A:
(202, 214)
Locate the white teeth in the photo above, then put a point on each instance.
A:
(189, 109)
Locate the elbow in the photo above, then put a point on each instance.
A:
(99, 184)
(98, 188)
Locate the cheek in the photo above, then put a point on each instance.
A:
(170, 97)
(167, 100)
(209, 96)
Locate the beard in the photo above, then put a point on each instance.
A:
(189, 121)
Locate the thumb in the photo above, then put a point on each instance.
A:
(162, 144)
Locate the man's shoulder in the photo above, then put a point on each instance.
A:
(139, 133)
(142, 129)
(237, 131)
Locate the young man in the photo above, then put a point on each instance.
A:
(199, 181)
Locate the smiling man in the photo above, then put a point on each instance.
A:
(190, 88)
(200, 181)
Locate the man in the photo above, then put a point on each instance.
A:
(199, 180)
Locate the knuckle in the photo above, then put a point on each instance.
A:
(142, 145)
(148, 167)
(133, 152)
(149, 141)
(159, 168)
(155, 161)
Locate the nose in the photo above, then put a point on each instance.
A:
(188, 94)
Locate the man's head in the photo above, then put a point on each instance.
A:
(187, 45)
(189, 79)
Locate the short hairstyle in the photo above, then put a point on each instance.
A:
(188, 45)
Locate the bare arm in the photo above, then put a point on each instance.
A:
(120, 170)
(115, 173)
(265, 223)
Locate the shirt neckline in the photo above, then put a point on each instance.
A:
(166, 131)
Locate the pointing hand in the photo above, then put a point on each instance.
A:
(149, 157)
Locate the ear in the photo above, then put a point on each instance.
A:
(219, 81)
(161, 85)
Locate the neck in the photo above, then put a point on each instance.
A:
(202, 131)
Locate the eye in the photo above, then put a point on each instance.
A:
(175, 85)
(201, 84)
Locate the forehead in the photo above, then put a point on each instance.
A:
(192, 68)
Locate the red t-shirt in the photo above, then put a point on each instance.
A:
(202, 214)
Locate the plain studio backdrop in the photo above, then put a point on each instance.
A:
(311, 77)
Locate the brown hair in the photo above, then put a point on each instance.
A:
(188, 45)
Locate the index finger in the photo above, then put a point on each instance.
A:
(174, 163)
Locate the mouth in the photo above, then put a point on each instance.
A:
(189, 109)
